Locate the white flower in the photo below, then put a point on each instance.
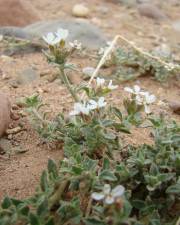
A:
(142, 97)
(148, 98)
(62, 34)
(109, 196)
(101, 51)
(100, 82)
(96, 105)
(111, 86)
(136, 90)
(54, 39)
(75, 44)
(79, 108)
(51, 39)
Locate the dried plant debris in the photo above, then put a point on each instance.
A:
(129, 62)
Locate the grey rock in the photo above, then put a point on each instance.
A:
(15, 32)
(151, 11)
(81, 30)
(27, 76)
(90, 35)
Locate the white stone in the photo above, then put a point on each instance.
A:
(80, 10)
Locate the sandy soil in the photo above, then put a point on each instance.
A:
(19, 174)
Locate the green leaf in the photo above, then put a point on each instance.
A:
(93, 221)
(23, 209)
(138, 204)
(77, 170)
(44, 181)
(52, 168)
(118, 113)
(107, 175)
(50, 222)
(106, 164)
(121, 127)
(42, 209)
(16, 202)
(109, 135)
(155, 222)
(6, 203)
(173, 189)
(33, 219)
(127, 209)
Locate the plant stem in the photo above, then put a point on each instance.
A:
(67, 83)
(36, 113)
(55, 198)
(88, 210)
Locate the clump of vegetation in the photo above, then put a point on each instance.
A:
(145, 187)
(100, 181)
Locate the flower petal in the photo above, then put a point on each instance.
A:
(111, 86)
(128, 89)
(92, 104)
(100, 81)
(151, 99)
(97, 196)
(137, 89)
(49, 38)
(101, 102)
(109, 200)
(139, 100)
(107, 189)
(74, 113)
(118, 191)
(62, 34)
(147, 109)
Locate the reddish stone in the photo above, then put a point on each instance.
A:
(5, 111)
(16, 13)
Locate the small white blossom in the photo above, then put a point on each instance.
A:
(51, 39)
(100, 82)
(75, 44)
(109, 196)
(79, 108)
(62, 34)
(142, 97)
(97, 105)
(101, 51)
(54, 39)
(111, 86)
(85, 108)
(136, 90)
(147, 100)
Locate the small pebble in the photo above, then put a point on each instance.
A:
(88, 71)
(14, 130)
(80, 10)
(1, 38)
(175, 106)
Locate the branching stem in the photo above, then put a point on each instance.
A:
(67, 83)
